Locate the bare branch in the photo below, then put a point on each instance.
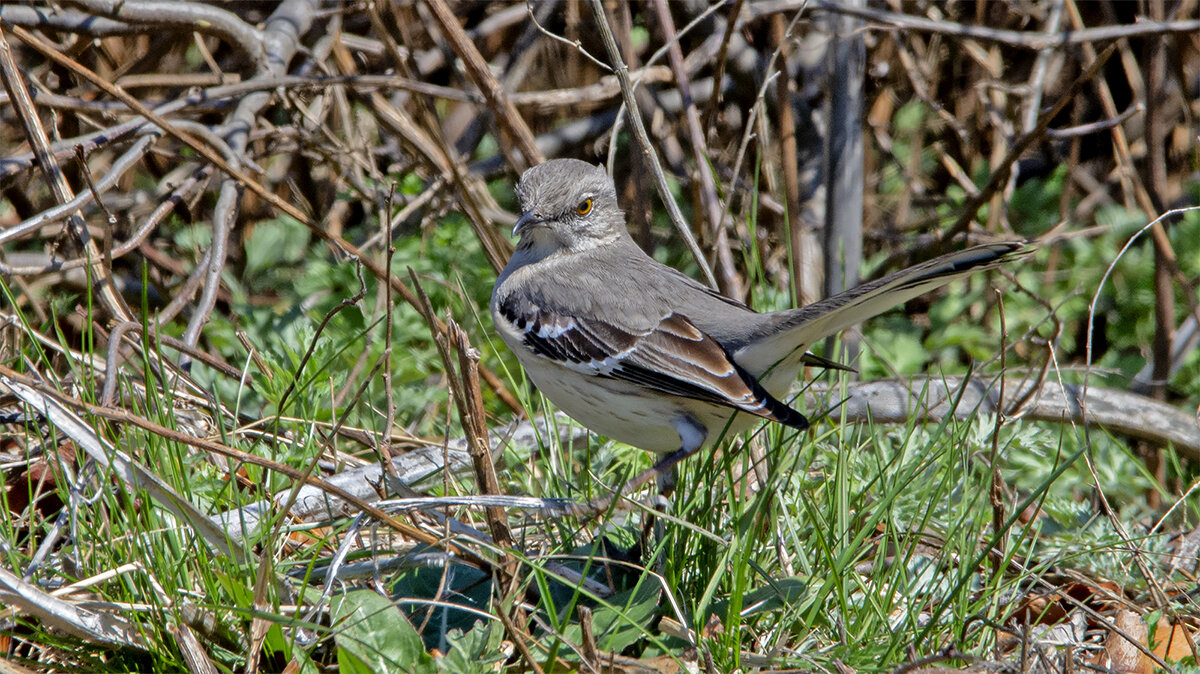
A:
(1011, 38)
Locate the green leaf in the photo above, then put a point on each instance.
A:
(894, 353)
(469, 587)
(273, 242)
(639, 37)
(475, 651)
(372, 635)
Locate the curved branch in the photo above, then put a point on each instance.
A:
(41, 18)
(187, 15)
(64, 210)
(42, 263)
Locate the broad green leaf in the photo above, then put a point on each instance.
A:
(372, 635)
(623, 620)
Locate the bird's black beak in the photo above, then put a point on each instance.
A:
(527, 221)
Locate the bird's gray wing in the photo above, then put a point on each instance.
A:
(673, 357)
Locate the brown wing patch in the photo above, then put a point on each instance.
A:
(677, 357)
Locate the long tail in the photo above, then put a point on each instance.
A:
(794, 331)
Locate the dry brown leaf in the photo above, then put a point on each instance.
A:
(1171, 641)
(713, 628)
(1121, 653)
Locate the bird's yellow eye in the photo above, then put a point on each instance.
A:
(584, 207)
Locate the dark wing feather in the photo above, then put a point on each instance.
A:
(674, 357)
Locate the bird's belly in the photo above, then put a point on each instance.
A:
(609, 407)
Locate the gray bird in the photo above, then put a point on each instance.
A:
(641, 353)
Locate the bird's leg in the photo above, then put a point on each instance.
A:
(652, 527)
(691, 436)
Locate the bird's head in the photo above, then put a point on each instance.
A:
(567, 204)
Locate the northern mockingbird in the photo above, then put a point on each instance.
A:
(641, 353)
